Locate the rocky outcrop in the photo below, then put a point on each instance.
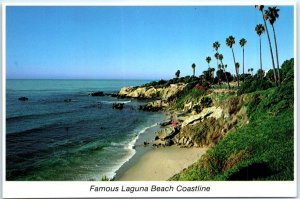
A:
(165, 133)
(151, 92)
(215, 112)
(184, 141)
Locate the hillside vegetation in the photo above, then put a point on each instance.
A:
(259, 144)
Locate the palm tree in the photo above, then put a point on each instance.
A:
(217, 57)
(237, 67)
(224, 67)
(193, 67)
(272, 15)
(260, 29)
(250, 70)
(216, 46)
(177, 74)
(261, 8)
(219, 73)
(208, 59)
(242, 44)
(230, 41)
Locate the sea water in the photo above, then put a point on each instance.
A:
(48, 138)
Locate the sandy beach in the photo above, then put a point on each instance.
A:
(162, 163)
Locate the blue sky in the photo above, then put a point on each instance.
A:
(134, 42)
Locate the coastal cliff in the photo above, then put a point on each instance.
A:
(248, 130)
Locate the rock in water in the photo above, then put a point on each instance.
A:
(23, 99)
(97, 94)
(119, 106)
(67, 100)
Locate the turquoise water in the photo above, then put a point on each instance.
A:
(85, 139)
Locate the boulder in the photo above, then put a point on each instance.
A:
(169, 142)
(119, 106)
(165, 133)
(23, 99)
(97, 94)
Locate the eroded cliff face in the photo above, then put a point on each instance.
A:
(164, 94)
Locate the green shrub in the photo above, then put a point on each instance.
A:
(251, 85)
(206, 102)
(188, 94)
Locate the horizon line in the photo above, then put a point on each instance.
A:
(79, 79)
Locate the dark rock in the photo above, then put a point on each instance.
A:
(166, 123)
(119, 106)
(146, 143)
(111, 94)
(67, 100)
(23, 99)
(97, 94)
(169, 142)
(149, 108)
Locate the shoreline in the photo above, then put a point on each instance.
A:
(159, 164)
(138, 148)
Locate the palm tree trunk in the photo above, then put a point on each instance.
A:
(243, 65)
(236, 71)
(260, 55)
(278, 72)
(193, 72)
(271, 51)
(226, 76)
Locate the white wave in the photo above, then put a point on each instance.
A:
(132, 143)
(130, 148)
(111, 102)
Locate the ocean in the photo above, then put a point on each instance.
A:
(48, 139)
